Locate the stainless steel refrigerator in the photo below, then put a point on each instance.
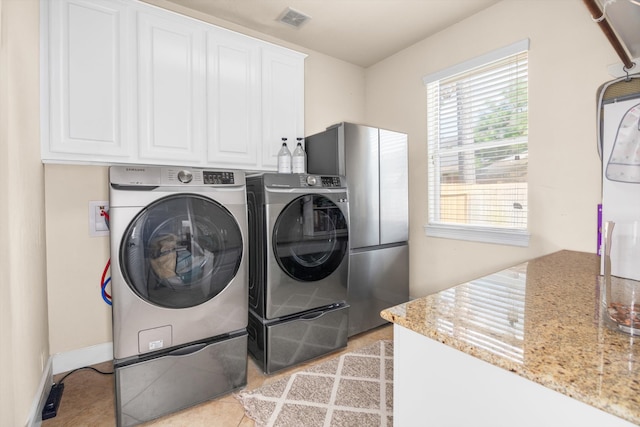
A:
(375, 163)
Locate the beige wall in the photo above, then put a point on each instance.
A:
(24, 349)
(78, 317)
(334, 92)
(568, 60)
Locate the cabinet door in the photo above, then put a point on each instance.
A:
(87, 107)
(282, 102)
(233, 95)
(171, 92)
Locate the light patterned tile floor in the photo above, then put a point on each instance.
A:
(88, 397)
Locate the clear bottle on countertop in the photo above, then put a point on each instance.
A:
(299, 160)
(284, 158)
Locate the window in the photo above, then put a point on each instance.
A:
(477, 118)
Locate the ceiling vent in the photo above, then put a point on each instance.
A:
(293, 18)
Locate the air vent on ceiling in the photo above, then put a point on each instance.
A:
(293, 17)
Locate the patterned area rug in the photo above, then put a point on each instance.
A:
(354, 389)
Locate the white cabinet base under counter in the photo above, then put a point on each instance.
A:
(437, 385)
(531, 345)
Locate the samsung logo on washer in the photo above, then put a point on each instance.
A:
(135, 169)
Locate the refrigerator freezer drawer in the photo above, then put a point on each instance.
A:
(378, 279)
(162, 385)
(281, 344)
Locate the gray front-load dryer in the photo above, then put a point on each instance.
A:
(300, 243)
(179, 285)
(298, 267)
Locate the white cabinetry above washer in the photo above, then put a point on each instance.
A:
(127, 82)
(233, 91)
(171, 97)
(84, 66)
(282, 103)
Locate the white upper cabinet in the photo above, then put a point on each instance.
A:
(282, 102)
(87, 81)
(233, 91)
(127, 82)
(171, 88)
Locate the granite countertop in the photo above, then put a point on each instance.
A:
(542, 320)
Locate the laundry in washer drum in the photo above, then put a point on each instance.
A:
(177, 263)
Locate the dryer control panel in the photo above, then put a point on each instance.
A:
(331, 181)
(302, 181)
(326, 181)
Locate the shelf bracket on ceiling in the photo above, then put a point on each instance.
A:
(596, 14)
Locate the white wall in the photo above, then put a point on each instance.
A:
(24, 349)
(568, 61)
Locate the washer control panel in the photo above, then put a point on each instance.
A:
(200, 176)
(185, 176)
(218, 177)
(171, 176)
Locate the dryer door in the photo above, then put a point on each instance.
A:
(310, 238)
(181, 251)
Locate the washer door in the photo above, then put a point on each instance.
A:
(310, 238)
(181, 251)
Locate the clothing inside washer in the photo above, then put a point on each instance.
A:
(182, 252)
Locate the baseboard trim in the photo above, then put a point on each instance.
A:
(64, 362)
(35, 414)
(87, 356)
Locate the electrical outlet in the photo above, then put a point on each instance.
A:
(97, 221)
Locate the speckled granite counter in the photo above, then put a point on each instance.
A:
(541, 320)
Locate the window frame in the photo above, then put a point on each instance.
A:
(471, 232)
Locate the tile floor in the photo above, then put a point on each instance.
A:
(88, 397)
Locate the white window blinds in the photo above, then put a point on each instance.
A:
(478, 148)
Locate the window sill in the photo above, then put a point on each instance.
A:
(479, 234)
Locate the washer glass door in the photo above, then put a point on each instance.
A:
(310, 238)
(181, 251)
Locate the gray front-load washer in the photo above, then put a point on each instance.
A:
(179, 285)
